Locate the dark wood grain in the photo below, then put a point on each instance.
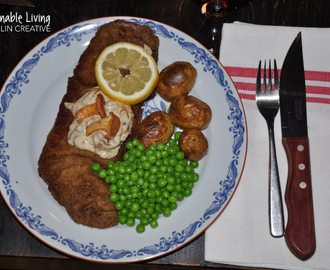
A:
(300, 230)
(18, 248)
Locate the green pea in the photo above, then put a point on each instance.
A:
(195, 177)
(113, 189)
(122, 220)
(149, 152)
(171, 151)
(135, 189)
(124, 211)
(140, 147)
(154, 215)
(144, 221)
(107, 179)
(110, 164)
(152, 185)
(161, 182)
(140, 181)
(134, 176)
(167, 212)
(128, 204)
(129, 145)
(153, 170)
(172, 161)
(135, 207)
(126, 190)
(177, 188)
(131, 215)
(184, 176)
(152, 159)
(140, 228)
(138, 215)
(126, 156)
(159, 208)
(152, 147)
(179, 155)
(172, 141)
(180, 197)
(146, 165)
(96, 167)
(129, 169)
(145, 204)
(146, 175)
(160, 146)
(165, 202)
(122, 169)
(150, 210)
(130, 221)
(170, 169)
(194, 164)
(143, 158)
(119, 205)
(173, 206)
(151, 194)
(122, 198)
(165, 194)
(171, 180)
(114, 197)
(179, 168)
(135, 142)
(153, 223)
(187, 192)
(111, 172)
(103, 173)
(120, 183)
(177, 136)
(138, 153)
(131, 158)
(163, 169)
(172, 199)
(127, 177)
(157, 193)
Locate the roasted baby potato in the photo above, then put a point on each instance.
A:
(155, 128)
(193, 144)
(175, 80)
(190, 112)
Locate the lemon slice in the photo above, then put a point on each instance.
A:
(126, 72)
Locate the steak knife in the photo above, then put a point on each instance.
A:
(300, 230)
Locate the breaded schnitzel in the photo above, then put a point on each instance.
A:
(65, 168)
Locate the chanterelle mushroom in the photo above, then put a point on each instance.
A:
(110, 124)
(92, 109)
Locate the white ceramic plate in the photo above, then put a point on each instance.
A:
(29, 104)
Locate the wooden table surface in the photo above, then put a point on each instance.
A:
(18, 248)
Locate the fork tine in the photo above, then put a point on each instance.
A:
(277, 83)
(270, 88)
(258, 88)
(265, 79)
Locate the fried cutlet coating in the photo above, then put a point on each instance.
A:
(65, 168)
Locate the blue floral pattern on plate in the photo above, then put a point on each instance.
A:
(220, 197)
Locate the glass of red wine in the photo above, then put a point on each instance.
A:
(203, 19)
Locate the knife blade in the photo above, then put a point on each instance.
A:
(26, 3)
(300, 229)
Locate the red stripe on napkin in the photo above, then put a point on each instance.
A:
(313, 81)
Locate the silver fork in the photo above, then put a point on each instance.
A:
(268, 103)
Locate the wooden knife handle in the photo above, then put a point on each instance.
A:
(300, 230)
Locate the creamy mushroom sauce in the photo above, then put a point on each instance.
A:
(96, 142)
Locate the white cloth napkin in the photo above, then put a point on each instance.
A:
(240, 236)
